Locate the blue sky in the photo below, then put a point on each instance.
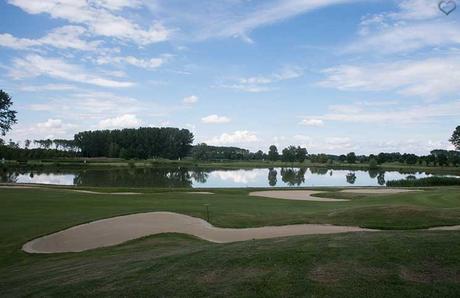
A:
(332, 75)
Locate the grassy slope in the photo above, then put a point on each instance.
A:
(405, 263)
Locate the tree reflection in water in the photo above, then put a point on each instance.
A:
(146, 177)
(272, 177)
(351, 178)
(293, 177)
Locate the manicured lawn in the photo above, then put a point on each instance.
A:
(385, 264)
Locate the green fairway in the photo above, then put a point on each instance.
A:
(391, 263)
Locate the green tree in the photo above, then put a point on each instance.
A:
(7, 116)
(301, 154)
(273, 154)
(290, 154)
(455, 139)
(351, 157)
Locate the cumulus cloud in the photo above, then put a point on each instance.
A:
(35, 65)
(192, 99)
(123, 121)
(215, 119)
(237, 137)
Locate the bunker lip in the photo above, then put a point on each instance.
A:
(116, 230)
(296, 195)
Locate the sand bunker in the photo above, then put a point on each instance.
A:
(378, 190)
(297, 195)
(200, 192)
(116, 230)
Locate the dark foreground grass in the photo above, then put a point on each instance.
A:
(381, 264)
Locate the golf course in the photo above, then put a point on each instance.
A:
(400, 242)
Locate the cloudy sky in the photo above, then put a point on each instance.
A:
(333, 75)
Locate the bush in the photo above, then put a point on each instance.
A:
(373, 164)
(429, 181)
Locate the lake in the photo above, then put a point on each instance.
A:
(208, 178)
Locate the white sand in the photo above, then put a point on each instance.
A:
(116, 230)
(378, 190)
(297, 195)
(200, 192)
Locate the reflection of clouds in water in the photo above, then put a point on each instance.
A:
(47, 179)
(239, 176)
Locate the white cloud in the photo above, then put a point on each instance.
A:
(417, 10)
(257, 84)
(99, 17)
(51, 128)
(237, 137)
(67, 37)
(123, 121)
(151, 63)
(35, 65)
(215, 119)
(48, 87)
(89, 106)
(192, 99)
(409, 37)
(234, 18)
(312, 122)
(413, 114)
(428, 78)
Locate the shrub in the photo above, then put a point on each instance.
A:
(429, 181)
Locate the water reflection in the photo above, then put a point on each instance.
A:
(187, 178)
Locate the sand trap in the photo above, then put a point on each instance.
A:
(200, 192)
(378, 190)
(297, 195)
(116, 230)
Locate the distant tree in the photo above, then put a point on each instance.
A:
(200, 152)
(7, 116)
(259, 155)
(27, 144)
(273, 154)
(301, 154)
(351, 157)
(373, 164)
(455, 139)
(290, 154)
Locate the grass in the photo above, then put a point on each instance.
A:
(386, 264)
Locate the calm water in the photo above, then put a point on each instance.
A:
(183, 177)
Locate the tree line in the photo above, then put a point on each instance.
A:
(141, 143)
